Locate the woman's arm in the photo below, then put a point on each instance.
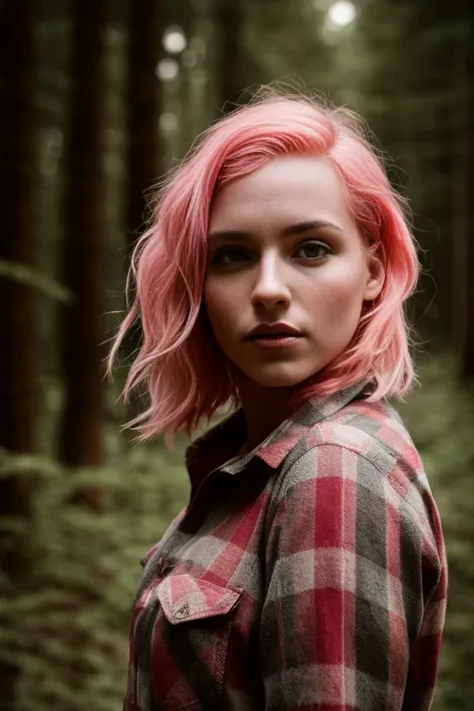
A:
(355, 596)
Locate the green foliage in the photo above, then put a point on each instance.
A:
(69, 631)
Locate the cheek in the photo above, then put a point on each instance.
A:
(210, 297)
(219, 305)
(345, 295)
(344, 290)
(339, 304)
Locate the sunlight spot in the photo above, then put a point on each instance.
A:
(342, 13)
(167, 69)
(174, 40)
(168, 123)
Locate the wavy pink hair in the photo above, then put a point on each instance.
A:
(179, 364)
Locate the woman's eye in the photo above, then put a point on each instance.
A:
(229, 255)
(312, 250)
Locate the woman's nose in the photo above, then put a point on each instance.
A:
(270, 287)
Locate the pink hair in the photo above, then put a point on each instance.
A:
(185, 374)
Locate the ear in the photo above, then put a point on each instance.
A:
(375, 277)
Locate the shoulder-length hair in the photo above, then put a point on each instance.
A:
(179, 365)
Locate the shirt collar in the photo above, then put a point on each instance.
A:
(224, 439)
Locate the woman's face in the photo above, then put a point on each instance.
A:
(284, 253)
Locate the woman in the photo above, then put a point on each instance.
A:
(308, 570)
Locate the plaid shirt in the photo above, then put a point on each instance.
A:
(309, 574)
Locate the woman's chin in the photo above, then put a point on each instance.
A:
(277, 377)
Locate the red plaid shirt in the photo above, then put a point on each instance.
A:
(309, 574)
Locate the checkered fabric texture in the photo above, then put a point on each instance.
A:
(309, 574)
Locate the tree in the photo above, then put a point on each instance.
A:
(84, 246)
(143, 108)
(229, 19)
(19, 245)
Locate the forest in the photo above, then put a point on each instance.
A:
(99, 101)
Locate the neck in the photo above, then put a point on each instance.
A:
(264, 409)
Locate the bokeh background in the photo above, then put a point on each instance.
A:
(99, 99)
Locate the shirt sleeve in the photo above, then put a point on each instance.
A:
(351, 591)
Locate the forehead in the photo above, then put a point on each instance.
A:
(288, 188)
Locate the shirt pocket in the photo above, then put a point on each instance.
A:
(189, 641)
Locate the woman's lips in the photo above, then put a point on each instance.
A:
(281, 340)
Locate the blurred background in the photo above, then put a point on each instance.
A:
(98, 101)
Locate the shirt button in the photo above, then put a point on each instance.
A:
(183, 611)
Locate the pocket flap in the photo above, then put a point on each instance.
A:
(184, 598)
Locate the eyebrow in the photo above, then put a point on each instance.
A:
(297, 229)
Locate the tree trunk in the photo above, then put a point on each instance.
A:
(84, 248)
(189, 127)
(144, 108)
(231, 59)
(143, 113)
(19, 384)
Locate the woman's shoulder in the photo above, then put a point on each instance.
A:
(367, 443)
(364, 462)
(375, 431)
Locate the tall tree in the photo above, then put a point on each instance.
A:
(143, 107)
(84, 247)
(18, 245)
(187, 17)
(231, 64)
